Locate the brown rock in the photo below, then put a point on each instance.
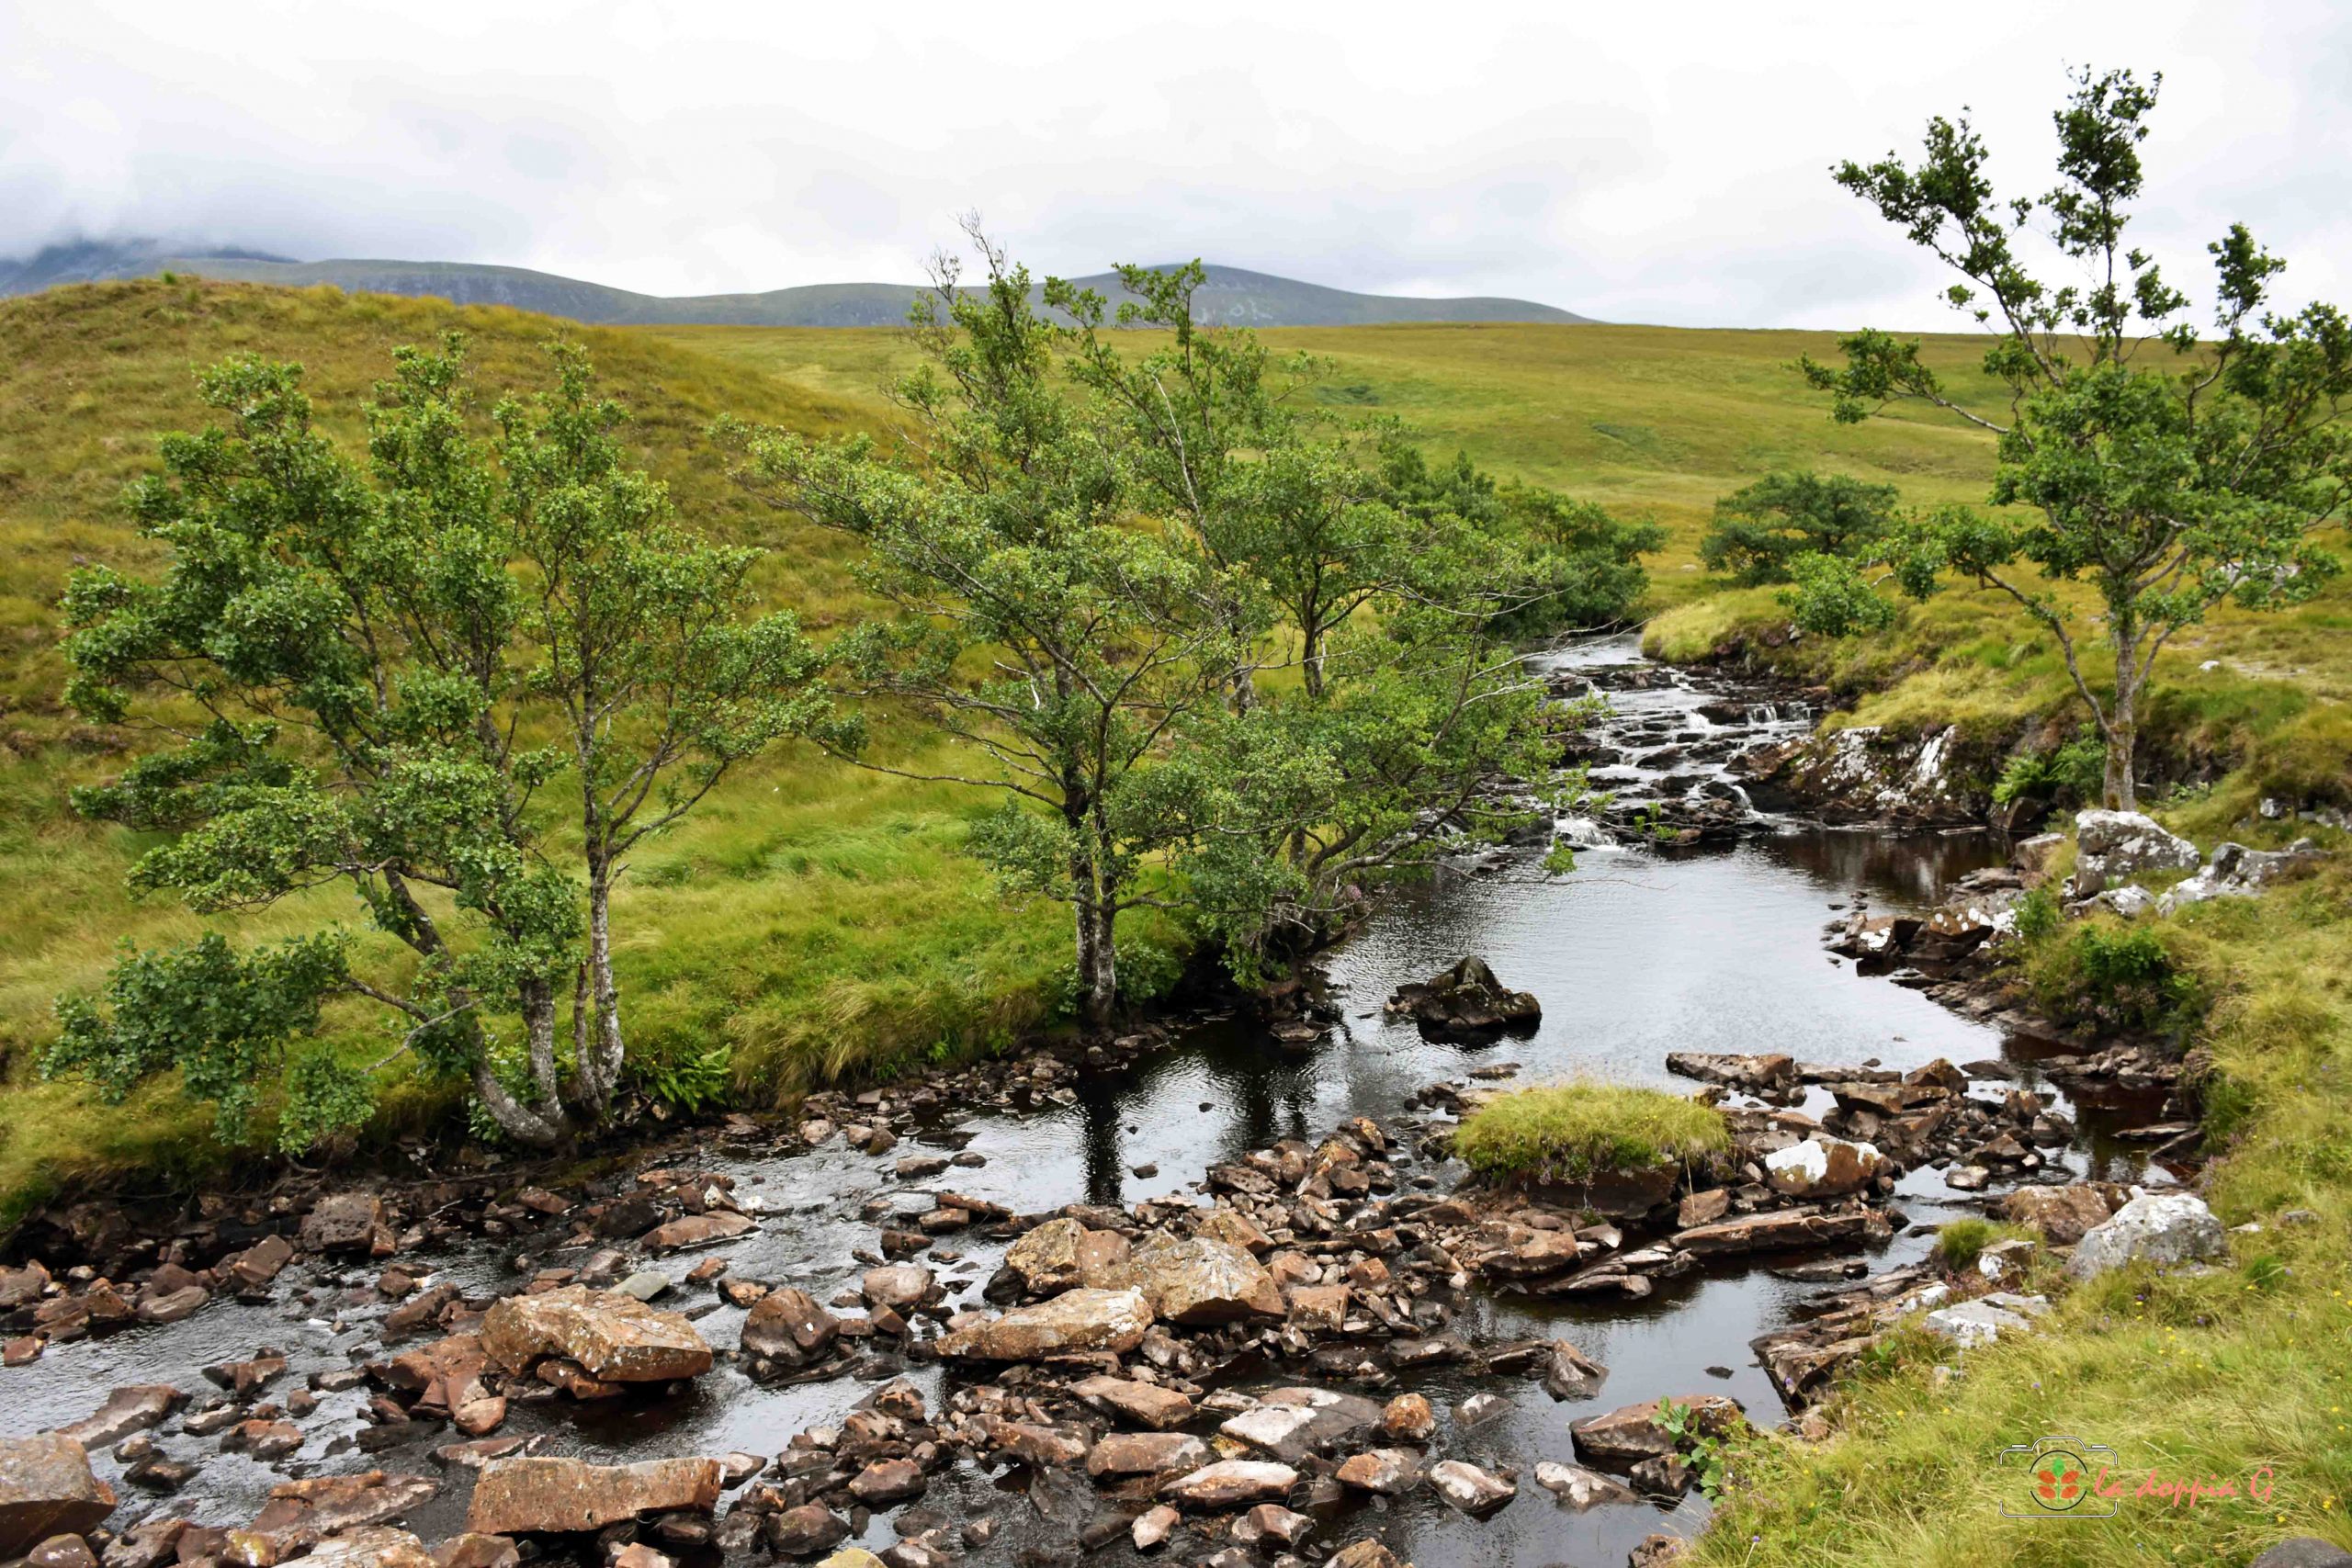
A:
(1474, 1491)
(2062, 1214)
(62, 1551)
(1063, 1253)
(1147, 1404)
(698, 1230)
(1080, 1322)
(347, 1222)
(301, 1513)
(806, 1531)
(1154, 1526)
(1032, 1443)
(789, 1325)
(1633, 1432)
(1321, 1309)
(614, 1337)
(1777, 1231)
(1146, 1453)
(1365, 1553)
(249, 1272)
(1408, 1419)
(46, 1489)
(471, 1551)
(566, 1495)
(1198, 1280)
(127, 1410)
(378, 1546)
(1230, 1483)
(885, 1482)
(1703, 1208)
(1236, 1229)
(896, 1285)
(22, 1286)
(1383, 1473)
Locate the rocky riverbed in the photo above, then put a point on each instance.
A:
(1218, 1297)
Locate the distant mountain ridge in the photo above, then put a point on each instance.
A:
(1232, 297)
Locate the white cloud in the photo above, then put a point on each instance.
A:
(1652, 163)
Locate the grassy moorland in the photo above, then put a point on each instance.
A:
(814, 918)
(817, 920)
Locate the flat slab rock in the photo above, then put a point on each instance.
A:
(568, 1496)
(614, 1338)
(1080, 1322)
(1230, 1483)
(379, 1546)
(1290, 1423)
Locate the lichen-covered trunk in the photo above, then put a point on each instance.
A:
(600, 1070)
(2118, 790)
(530, 1127)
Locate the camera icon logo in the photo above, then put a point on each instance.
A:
(2054, 1479)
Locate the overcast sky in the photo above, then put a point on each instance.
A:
(1651, 163)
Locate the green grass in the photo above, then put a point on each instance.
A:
(2195, 1376)
(1655, 421)
(1576, 1130)
(818, 919)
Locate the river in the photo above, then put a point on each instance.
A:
(1638, 951)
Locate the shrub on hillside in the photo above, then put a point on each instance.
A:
(1760, 531)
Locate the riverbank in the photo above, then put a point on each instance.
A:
(1656, 944)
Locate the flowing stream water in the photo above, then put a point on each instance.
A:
(1639, 950)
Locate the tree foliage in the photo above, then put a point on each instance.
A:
(2170, 469)
(1107, 564)
(1760, 530)
(370, 673)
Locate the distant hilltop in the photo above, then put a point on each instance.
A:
(1233, 295)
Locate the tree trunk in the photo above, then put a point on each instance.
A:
(1097, 962)
(526, 1126)
(534, 997)
(601, 1071)
(1310, 660)
(2120, 790)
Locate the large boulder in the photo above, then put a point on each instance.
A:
(1823, 1166)
(1076, 1323)
(2164, 1227)
(1466, 1001)
(1767, 1073)
(301, 1513)
(2116, 846)
(1781, 1231)
(1062, 1254)
(1196, 1280)
(614, 1338)
(46, 1489)
(569, 1496)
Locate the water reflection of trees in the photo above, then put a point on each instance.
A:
(1909, 867)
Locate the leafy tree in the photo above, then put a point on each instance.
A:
(2167, 487)
(1032, 621)
(1390, 603)
(1760, 529)
(363, 666)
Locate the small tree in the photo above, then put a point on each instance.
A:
(1031, 619)
(1760, 529)
(375, 657)
(2167, 489)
